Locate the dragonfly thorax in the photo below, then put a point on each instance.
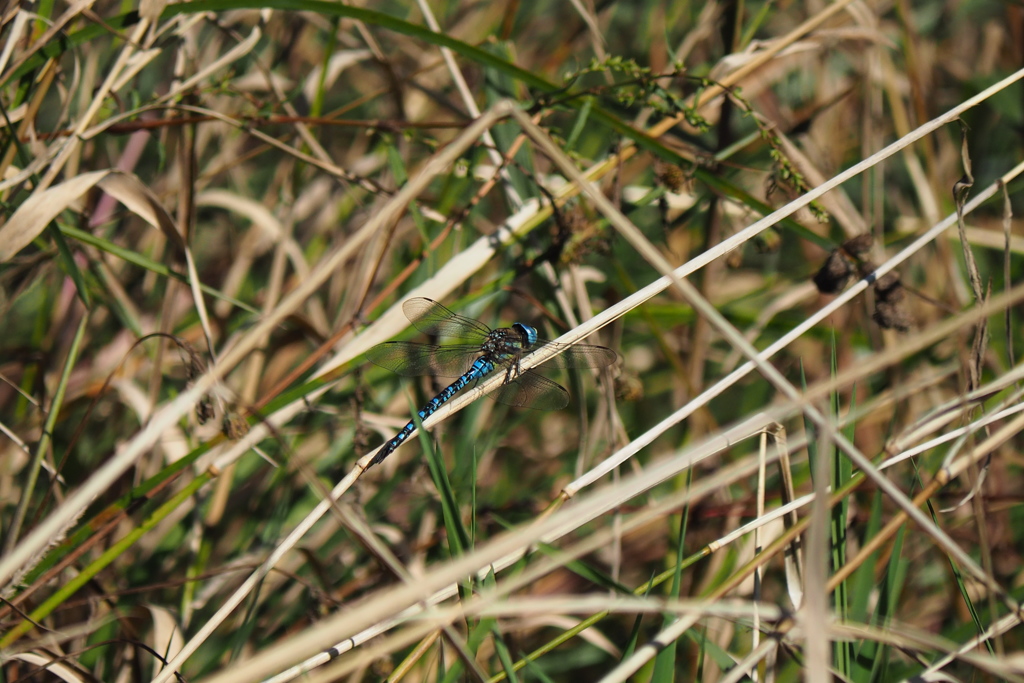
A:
(509, 342)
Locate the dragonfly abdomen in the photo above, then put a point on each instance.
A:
(481, 368)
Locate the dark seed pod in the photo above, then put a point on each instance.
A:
(888, 286)
(204, 409)
(859, 246)
(834, 275)
(892, 315)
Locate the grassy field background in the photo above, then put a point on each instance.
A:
(794, 222)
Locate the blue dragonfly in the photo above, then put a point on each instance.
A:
(478, 352)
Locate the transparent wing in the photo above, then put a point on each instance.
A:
(577, 355)
(432, 318)
(530, 390)
(410, 359)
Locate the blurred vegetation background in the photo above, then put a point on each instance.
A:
(212, 209)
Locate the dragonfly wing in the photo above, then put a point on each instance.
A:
(411, 359)
(578, 355)
(530, 390)
(432, 318)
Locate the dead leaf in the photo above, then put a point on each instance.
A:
(36, 212)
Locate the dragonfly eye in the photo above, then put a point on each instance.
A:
(529, 334)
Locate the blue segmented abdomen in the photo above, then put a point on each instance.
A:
(481, 368)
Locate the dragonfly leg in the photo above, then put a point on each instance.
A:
(512, 371)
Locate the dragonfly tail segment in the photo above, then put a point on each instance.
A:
(481, 368)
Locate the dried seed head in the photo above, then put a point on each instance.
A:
(834, 275)
(234, 426)
(859, 246)
(669, 175)
(204, 409)
(889, 286)
(892, 315)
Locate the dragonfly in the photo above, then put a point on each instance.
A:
(477, 353)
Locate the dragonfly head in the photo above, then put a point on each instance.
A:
(528, 334)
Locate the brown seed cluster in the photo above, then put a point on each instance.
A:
(890, 305)
(890, 308)
(669, 175)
